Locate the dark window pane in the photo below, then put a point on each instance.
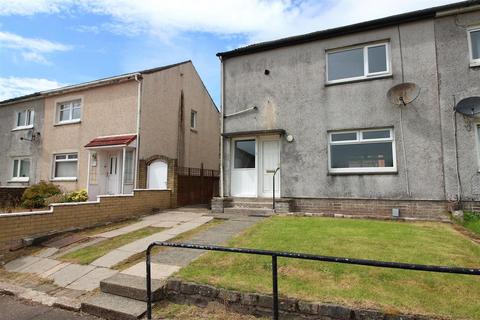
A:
(345, 64)
(475, 39)
(377, 59)
(376, 134)
(244, 154)
(365, 155)
(15, 168)
(344, 136)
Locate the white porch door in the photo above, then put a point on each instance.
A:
(244, 168)
(113, 180)
(270, 161)
(157, 175)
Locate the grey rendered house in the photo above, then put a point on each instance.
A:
(21, 127)
(316, 107)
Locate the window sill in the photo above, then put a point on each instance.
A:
(474, 64)
(16, 180)
(22, 128)
(64, 179)
(357, 173)
(66, 123)
(194, 130)
(384, 76)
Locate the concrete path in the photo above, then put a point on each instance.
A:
(87, 277)
(14, 309)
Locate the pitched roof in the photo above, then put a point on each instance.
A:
(122, 140)
(353, 28)
(99, 82)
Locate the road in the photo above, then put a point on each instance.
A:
(14, 309)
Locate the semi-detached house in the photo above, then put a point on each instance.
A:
(111, 135)
(316, 107)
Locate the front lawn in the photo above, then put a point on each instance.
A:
(455, 296)
(471, 221)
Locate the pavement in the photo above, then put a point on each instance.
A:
(12, 308)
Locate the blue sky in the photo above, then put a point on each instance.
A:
(49, 43)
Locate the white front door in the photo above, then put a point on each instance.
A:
(157, 175)
(244, 168)
(270, 161)
(113, 180)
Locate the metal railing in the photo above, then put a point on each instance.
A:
(294, 255)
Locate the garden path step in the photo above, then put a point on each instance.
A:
(249, 211)
(113, 307)
(132, 287)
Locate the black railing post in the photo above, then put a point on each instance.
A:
(275, 287)
(149, 283)
(273, 197)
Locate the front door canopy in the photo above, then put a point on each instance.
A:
(111, 141)
(254, 133)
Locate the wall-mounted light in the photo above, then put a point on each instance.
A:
(289, 138)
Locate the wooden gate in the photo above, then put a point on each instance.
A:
(196, 186)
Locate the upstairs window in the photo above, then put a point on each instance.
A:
(193, 119)
(69, 111)
(474, 44)
(24, 119)
(21, 170)
(362, 151)
(358, 63)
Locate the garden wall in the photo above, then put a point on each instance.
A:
(10, 195)
(67, 216)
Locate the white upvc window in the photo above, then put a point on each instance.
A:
(69, 111)
(24, 119)
(474, 46)
(65, 166)
(193, 119)
(21, 169)
(357, 63)
(362, 151)
(129, 166)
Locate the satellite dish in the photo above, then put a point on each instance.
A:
(403, 93)
(469, 107)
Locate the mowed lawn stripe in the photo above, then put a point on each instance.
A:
(456, 296)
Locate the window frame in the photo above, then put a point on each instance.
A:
(67, 159)
(473, 62)
(70, 109)
(131, 178)
(366, 73)
(18, 178)
(360, 140)
(194, 117)
(29, 119)
(234, 141)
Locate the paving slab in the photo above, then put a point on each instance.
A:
(56, 268)
(91, 280)
(112, 258)
(21, 263)
(159, 271)
(177, 257)
(112, 307)
(165, 224)
(60, 242)
(46, 252)
(124, 230)
(142, 244)
(69, 274)
(41, 266)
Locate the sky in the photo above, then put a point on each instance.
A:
(45, 44)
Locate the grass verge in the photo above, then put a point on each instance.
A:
(454, 296)
(139, 257)
(471, 221)
(89, 254)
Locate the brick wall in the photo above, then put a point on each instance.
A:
(10, 195)
(172, 181)
(424, 209)
(63, 217)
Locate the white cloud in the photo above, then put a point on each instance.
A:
(31, 49)
(259, 20)
(11, 87)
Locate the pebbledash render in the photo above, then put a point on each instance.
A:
(316, 107)
(112, 135)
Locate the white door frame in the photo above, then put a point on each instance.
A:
(260, 171)
(258, 163)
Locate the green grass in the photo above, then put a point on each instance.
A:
(454, 296)
(91, 253)
(471, 221)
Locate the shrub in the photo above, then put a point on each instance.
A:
(77, 196)
(58, 198)
(35, 195)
